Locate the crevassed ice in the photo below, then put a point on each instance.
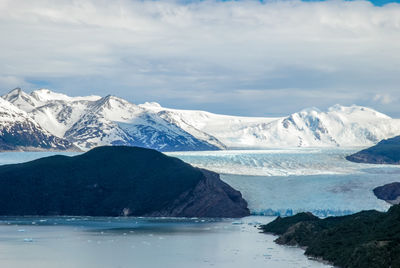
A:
(276, 162)
(287, 181)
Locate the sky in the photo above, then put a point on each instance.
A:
(252, 58)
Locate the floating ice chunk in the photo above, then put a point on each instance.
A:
(254, 223)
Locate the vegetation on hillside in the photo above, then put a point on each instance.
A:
(365, 239)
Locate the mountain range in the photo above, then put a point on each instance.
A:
(47, 120)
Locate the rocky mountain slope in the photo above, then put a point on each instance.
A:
(385, 152)
(92, 121)
(18, 131)
(114, 181)
(389, 192)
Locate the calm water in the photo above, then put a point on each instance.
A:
(137, 242)
(274, 182)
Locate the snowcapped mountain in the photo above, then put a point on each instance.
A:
(18, 131)
(93, 120)
(339, 126)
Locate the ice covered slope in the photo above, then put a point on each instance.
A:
(93, 120)
(112, 120)
(18, 131)
(230, 131)
(339, 126)
(53, 111)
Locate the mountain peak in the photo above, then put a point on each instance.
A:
(16, 90)
(21, 99)
(46, 95)
(356, 110)
(109, 101)
(151, 104)
(14, 93)
(313, 111)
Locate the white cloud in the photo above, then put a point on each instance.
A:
(165, 50)
(11, 82)
(383, 98)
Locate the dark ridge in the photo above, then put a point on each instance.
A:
(385, 152)
(365, 239)
(26, 136)
(281, 225)
(389, 192)
(113, 181)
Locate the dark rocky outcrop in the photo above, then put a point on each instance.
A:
(113, 181)
(389, 192)
(385, 152)
(26, 136)
(211, 197)
(365, 239)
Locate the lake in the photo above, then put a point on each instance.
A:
(65, 242)
(274, 182)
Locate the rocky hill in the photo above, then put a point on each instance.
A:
(115, 181)
(385, 152)
(365, 239)
(389, 192)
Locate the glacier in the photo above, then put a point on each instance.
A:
(275, 162)
(286, 181)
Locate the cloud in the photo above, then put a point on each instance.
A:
(210, 55)
(383, 98)
(11, 82)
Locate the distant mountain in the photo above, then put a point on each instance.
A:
(93, 121)
(339, 126)
(18, 131)
(385, 152)
(115, 181)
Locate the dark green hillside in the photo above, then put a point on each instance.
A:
(385, 152)
(106, 181)
(366, 239)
